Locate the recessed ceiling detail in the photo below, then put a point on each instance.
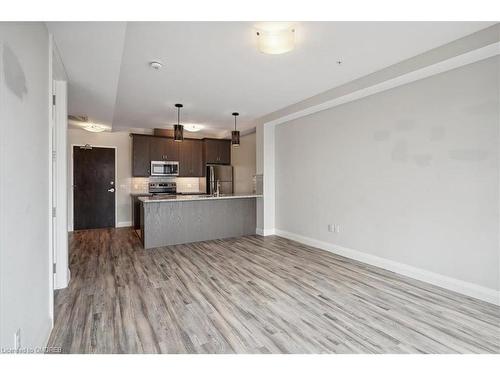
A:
(214, 67)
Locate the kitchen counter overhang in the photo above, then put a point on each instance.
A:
(194, 197)
(172, 220)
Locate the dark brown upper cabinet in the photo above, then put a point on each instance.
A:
(161, 148)
(217, 151)
(141, 163)
(190, 158)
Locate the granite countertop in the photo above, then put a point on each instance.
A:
(177, 198)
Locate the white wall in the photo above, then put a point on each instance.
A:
(456, 53)
(24, 171)
(410, 174)
(243, 159)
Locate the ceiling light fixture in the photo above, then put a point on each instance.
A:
(193, 127)
(178, 129)
(235, 134)
(275, 40)
(95, 128)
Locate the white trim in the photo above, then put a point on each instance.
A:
(123, 224)
(70, 185)
(61, 279)
(264, 232)
(50, 187)
(416, 75)
(456, 285)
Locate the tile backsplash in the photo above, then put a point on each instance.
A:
(184, 184)
(139, 185)
(188, 184)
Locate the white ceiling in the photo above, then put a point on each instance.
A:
(214, 68)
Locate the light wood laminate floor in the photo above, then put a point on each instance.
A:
(254, 295)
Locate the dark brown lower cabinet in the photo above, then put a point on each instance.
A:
(136, 210)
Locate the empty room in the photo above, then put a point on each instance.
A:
(232, 186)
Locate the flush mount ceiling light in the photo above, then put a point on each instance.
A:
(235, 134)
(95, 128)
(275, 39)
(178, 128)
(193, 127)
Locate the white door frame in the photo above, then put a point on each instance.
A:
(51, 137)
(71, 216)
(60, 224)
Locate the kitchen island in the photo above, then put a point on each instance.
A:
(177, 219)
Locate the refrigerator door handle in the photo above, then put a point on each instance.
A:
(212, 180)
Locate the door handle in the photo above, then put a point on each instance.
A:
(112, 190)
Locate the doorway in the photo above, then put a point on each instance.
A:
(94, 190)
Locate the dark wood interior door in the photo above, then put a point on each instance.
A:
(93, 187)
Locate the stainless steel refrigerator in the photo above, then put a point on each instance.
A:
(222, 174)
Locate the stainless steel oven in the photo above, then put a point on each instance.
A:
(164, 168)
(162, 187)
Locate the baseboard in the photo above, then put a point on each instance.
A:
(122, 224)
(264, 232)
(62, 284)
(456, 285)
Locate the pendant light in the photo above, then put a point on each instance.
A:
(235, 134)
(178, 128)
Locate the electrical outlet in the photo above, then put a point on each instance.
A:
(334, 228)
(17, 339)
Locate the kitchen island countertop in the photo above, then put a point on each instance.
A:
(178, 198)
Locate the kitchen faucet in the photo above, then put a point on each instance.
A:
(217, 191)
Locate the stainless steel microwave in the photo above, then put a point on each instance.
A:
(164, 168)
